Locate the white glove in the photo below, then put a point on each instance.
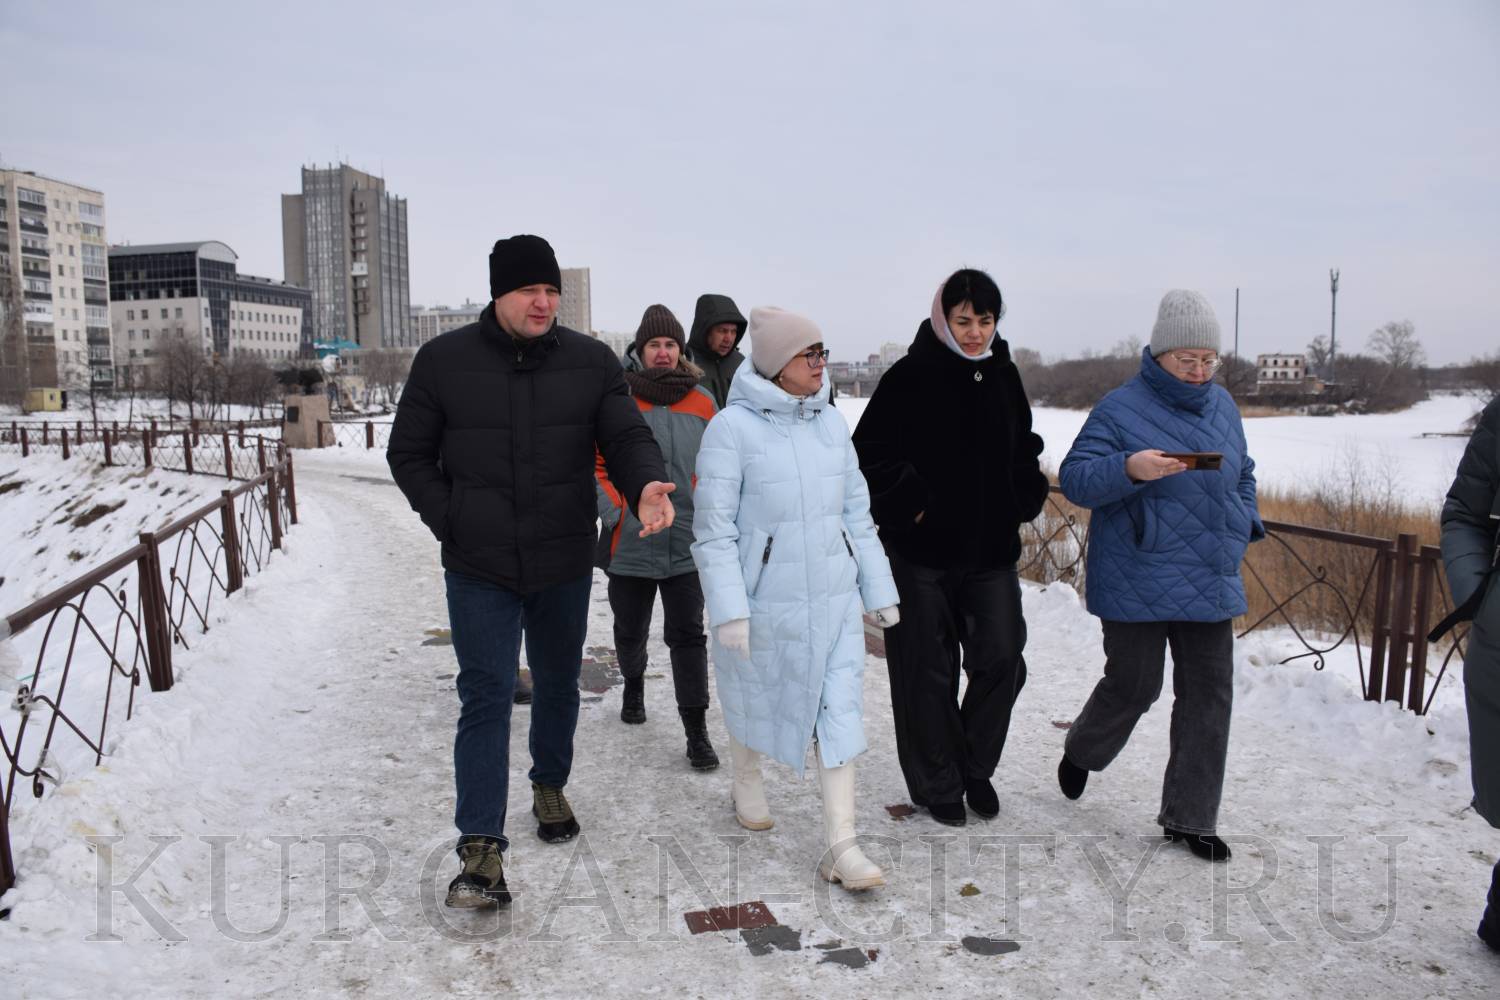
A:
(886, 617)
(735, 636)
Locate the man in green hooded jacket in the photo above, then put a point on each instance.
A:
(718, 327)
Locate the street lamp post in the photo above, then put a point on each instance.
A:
(1333, 322)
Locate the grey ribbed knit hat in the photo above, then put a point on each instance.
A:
(1184, 320)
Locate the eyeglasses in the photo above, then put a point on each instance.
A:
(816, 359)
(1190, 363)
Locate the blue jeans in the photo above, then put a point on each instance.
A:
(487, 622)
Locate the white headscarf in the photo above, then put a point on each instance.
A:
(945, 335)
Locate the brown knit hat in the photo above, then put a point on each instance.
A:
(658, 321)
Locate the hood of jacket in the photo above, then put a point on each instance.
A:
(711, 311)
(754, 391)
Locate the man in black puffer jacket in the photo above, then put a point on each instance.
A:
(493, 445)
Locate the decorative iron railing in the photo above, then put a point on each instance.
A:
(1328, 588)
(87, 645)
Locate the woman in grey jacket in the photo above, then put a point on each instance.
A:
(665, 386)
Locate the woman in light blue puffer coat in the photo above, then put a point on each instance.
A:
(788, 557)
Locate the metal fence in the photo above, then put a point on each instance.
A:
(1329, 588)
(90, 642)
(367, 434)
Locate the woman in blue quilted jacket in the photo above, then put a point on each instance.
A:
(1165, 543)
(788, 558)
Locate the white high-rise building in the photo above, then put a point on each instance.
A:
(54, 284)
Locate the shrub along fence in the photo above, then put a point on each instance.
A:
(89, 643)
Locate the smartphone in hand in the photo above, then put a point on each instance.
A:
(1206, 461)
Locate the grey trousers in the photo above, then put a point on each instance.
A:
(1203, 690)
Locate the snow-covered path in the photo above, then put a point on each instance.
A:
(307, 748)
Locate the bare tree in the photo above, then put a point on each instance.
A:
(1127, 347)
(184, 372)
(77, 376)
(1317, 353)
(386, 369)
(1397, 344)
(250, 381)
(1027, 359)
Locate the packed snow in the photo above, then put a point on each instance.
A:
(279, 824)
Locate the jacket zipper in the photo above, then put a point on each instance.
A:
(848, 546)
(765, 557)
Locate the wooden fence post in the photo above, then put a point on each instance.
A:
(273, 509)
(146, 448)
(187, 450)
(109, 454)
(64, 436)
(25, 445)
(228, 458)
(1429, 564)
(1380, 639)
(155, 616)
(291, 490)
(260, 455)
(1401, 617)
(234, 570)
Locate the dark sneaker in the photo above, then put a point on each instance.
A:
(633, 701)
(555, 822)
(523, 687)
(1206, 846)
(1071, 778)
(949, 813)
(982, 798)
(700, 751)
(482, 880)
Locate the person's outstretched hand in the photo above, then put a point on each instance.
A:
(655, 508)
(886, 617)
(1150, 464)
(735, 636)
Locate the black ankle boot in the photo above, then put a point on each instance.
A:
(1071, 778)
(1206, 846)
(633, 702)
(982, 798)
(700, 751)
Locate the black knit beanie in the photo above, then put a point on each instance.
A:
(521, 261)
(658, 321)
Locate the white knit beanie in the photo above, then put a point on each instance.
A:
(1184, 320)
(777, 336)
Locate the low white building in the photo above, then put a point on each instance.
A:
(1280, 370)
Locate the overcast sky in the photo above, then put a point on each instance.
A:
(836, 159)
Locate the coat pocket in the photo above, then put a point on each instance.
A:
(755, 559)
(1148, 527)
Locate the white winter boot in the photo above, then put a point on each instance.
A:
(843, 862)
(748, 790)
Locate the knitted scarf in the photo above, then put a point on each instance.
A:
(664, 386)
